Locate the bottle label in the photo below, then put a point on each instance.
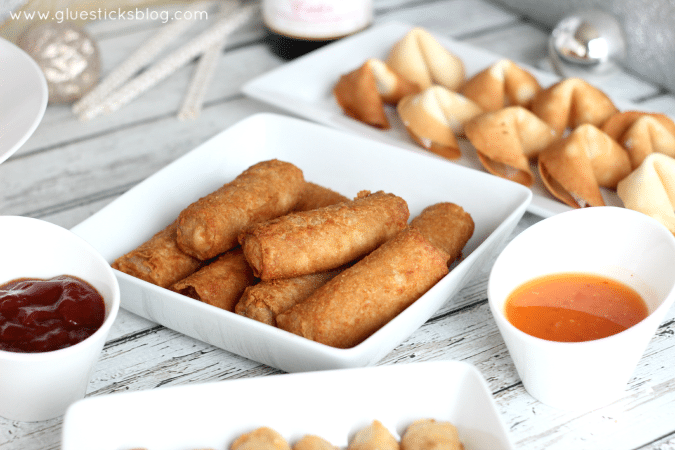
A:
(314, 19)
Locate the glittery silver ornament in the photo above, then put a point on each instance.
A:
(587, 43)
(67, 55)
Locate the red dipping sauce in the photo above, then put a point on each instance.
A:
(45, 315)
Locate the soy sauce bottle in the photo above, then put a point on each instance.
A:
(296, 27)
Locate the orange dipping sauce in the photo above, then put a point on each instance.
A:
(574, 307)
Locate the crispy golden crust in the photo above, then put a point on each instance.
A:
(267, 299)
(159, 260)
(650, 189)
(363, 92)
(311, 442)
(221, 283)
(435, 117)
(315, 196)
(363, 298)
(323, 239)
(428, 434)
(447, 226)
(502, 84)
(570, 103)
(574, 168)
(420, 58)
(211, 225)
(373, 437)
(391, 86)
(507, 139)
(262, 438)
(642, 134)
(356, 93)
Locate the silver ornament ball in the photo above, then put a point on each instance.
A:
(68, 57)
(589, 42)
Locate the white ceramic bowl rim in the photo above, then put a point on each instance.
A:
(668, 238)
(33, 77)
(107, 323)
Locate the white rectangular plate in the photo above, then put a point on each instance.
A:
(335, 159)
(330, 404)
(304, 87)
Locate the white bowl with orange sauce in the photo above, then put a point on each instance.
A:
(624, 246)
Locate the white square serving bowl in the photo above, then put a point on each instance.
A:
(331, 404)
(332, 158)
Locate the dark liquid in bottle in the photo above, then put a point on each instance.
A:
(288, 48)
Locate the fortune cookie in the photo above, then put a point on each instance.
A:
(420, 58)
(435, 117)
(641, 134)
(570, 103)
(574, 168)
(363, 92)
(650, 189)
(507, 139)
(502, 84)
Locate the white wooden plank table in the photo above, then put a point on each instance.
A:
(68, 170)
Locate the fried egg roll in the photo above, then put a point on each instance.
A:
(315, 196)
(429, 434)
(262, 438)
(447, 226)
(221, 283)
(373, 437)
(323, 239)
(159, 260)
(367, 295)
(267, 299)
(211, 225)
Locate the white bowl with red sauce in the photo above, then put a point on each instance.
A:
(588, 370)
(39, 382)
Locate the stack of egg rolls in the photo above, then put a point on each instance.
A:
(315, 196)
(159, 260)
(219, 283)
(266, 300)
(191, 254)
(323, 239)
(212, 224)
(290, 253)
(446, 226)
(361, 299)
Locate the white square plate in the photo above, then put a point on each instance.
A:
(336, 159)
(330, 404)
(304, 87)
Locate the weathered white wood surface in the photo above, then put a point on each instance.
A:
(68, 170)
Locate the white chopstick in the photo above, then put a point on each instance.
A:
(201, 79)
(135, 62)
(168, 65)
